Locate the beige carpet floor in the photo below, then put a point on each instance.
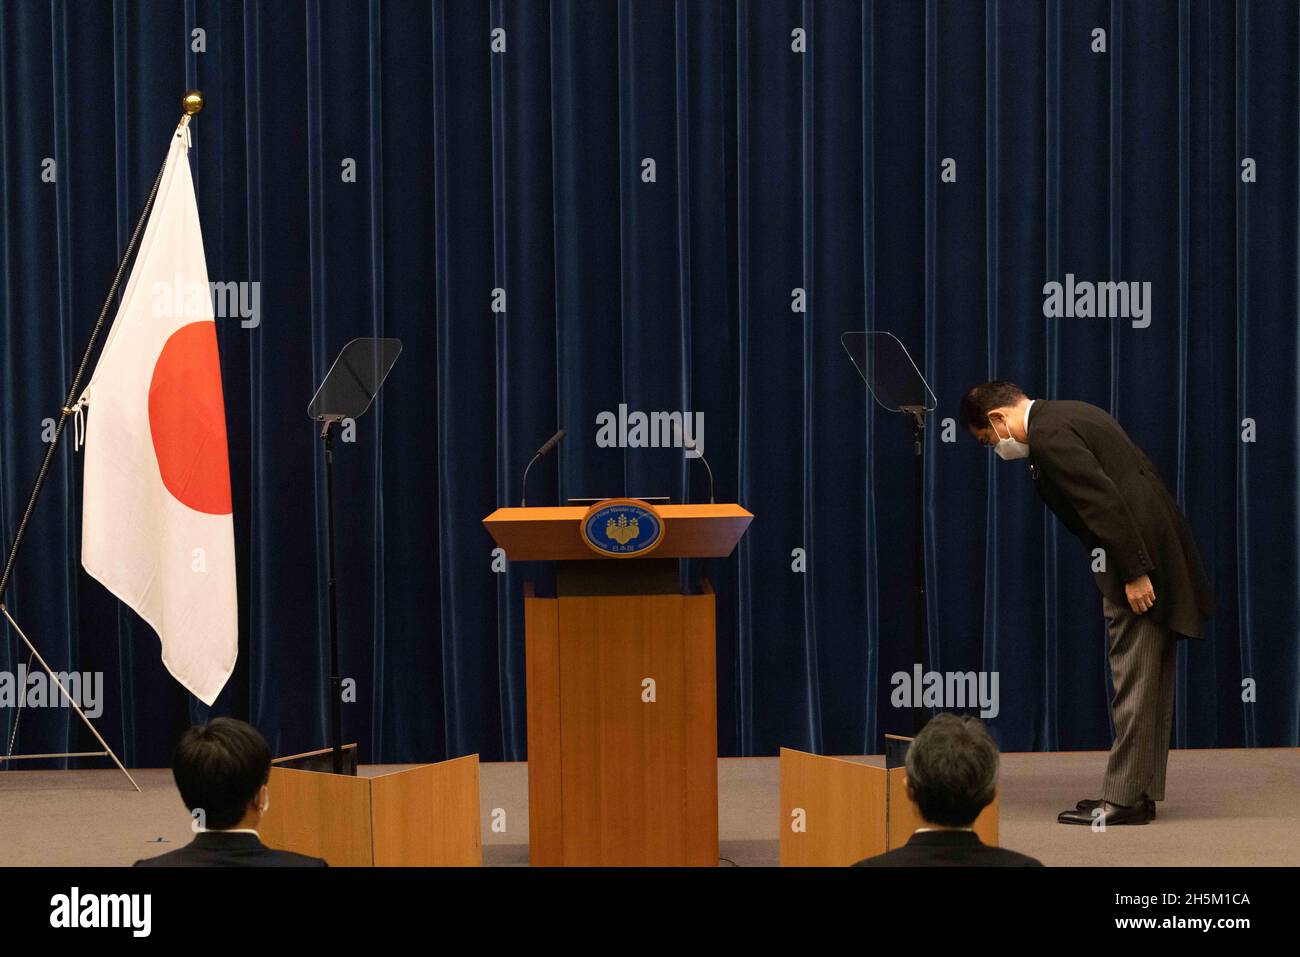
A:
(1224, 807)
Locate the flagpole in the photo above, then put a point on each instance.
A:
(191, 103)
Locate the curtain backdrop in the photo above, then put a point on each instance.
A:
(673, 206)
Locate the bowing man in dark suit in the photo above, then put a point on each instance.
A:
(1154, 588)
(221, 770)
(952, 775)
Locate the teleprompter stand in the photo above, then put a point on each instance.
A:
(346, 393)
(898, 386)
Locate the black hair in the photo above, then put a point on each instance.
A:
(980, 399)
(219, 768)
(952, 770)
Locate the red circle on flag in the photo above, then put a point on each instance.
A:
(187, 418)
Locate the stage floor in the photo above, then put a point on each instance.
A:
(1225, 808)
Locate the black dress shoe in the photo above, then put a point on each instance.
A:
(1087, 804)
(1110, 815)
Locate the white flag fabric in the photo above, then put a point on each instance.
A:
(157, 528)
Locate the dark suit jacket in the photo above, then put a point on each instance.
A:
(948, 849)
(1105, 490)
(221, 849)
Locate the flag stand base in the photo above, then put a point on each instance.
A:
(72, 702)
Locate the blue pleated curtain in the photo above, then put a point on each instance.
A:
(673, 206)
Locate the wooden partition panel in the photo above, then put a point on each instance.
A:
(322, 815)
(427, 816)
(904, 819)
(842, 805)
(850, 810)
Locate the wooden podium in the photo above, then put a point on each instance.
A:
(621, 683)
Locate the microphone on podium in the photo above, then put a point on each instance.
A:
(690, 445)
(549, 444)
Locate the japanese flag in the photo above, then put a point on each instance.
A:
(157, 529)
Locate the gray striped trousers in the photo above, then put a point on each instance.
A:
(1143, 656)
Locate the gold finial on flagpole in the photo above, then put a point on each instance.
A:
(191, 103)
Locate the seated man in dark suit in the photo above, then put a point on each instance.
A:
(221, 770)
(952, 775)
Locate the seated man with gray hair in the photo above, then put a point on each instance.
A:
(952, 775)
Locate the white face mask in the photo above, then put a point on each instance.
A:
(1008, 449)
